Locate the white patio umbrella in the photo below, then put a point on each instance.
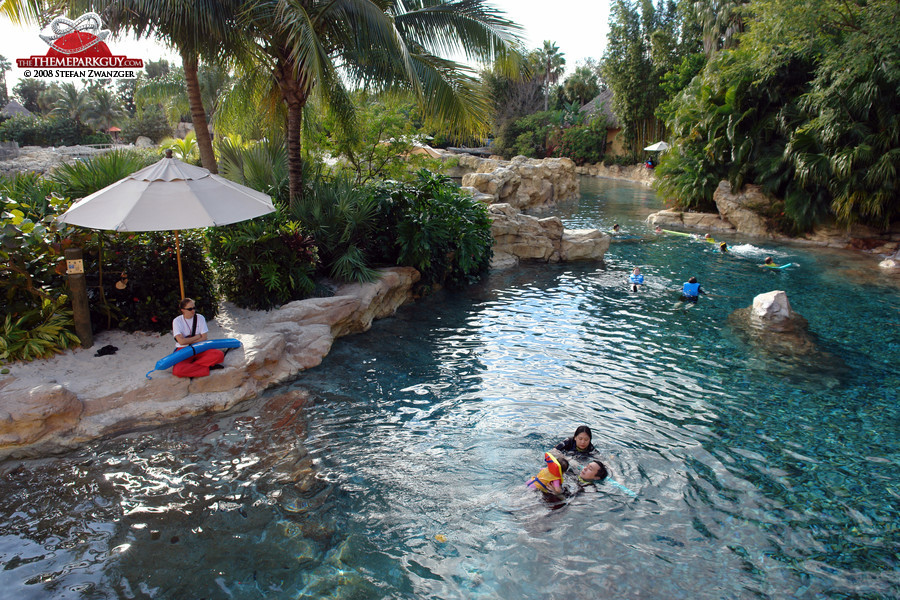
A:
(657, 147)
(168, 196)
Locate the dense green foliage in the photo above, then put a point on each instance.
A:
(431, 225)
(82, 178)
(146, 269)
(806, 106)
(49, 131)
(263, 263)
(38, 333)
(150, 122)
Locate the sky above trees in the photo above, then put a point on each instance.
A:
(578, 27)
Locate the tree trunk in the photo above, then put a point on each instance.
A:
(198, 113)
(295, 98)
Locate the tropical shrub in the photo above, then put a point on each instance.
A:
(261, 165)
(583, 143)
(150, 122)
(38, 333)
(140, 290)
(32, 193)
(30, 269)
(263, 263)
(434, 227)
(341, 217)
(48, 131)
(183, 149)
(84, 177)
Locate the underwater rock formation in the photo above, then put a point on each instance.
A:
(781, 337)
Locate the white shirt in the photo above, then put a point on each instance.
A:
(183, 326)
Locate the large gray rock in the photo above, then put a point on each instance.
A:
(781, 339)
(744, 209)
(634, 173)
(518, 236)
(523, 183)
(702, 222)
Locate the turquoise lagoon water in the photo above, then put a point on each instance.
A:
(396, 468)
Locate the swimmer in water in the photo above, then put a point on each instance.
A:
(593, 471)
(709, 238)
(580, 443)
(549, 479)
(658, 229)
(723, 248)
(616, 228)
(690, 293)
(636, 279)
(769, 263)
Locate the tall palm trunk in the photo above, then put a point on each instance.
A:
(294, 96)
(198, 113)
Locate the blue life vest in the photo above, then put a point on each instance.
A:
(636, 278)
(691, 290)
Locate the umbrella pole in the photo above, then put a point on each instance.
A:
(178, 255)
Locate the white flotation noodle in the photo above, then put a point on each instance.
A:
(191, 351)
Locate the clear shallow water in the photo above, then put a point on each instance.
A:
(396, 468)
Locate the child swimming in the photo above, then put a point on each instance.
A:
(636, 279)
(549, 479)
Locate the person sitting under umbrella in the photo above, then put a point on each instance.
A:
(190, 328)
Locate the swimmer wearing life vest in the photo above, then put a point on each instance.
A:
(723, 248)
(549, 479)
(690, 291)
(769, 263)
(636, 279)
(709, 238)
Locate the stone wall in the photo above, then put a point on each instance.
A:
(744, 211)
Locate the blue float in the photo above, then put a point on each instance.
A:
(191, 351)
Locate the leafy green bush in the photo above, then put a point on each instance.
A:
(32, 192)
(38, 333)
(146, 265)
(433, 226)
(84, 177)
(583, 143)
(261, 165)
(47, 131)
(151, 123)
(341, 217)
(30, 269)
(263, 263)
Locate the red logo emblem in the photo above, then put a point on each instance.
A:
(78, 49)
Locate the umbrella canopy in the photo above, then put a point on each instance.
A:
(657, 147)
(168, 195)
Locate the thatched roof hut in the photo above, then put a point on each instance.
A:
(603, 104)
(14, 108)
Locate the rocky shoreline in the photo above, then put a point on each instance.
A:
(57, 404)
(53, 405)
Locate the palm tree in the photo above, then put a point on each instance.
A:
(312, 47)
(170, 90)
(553, 64)
(197, 28)
(106, 110)
(72, 102)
